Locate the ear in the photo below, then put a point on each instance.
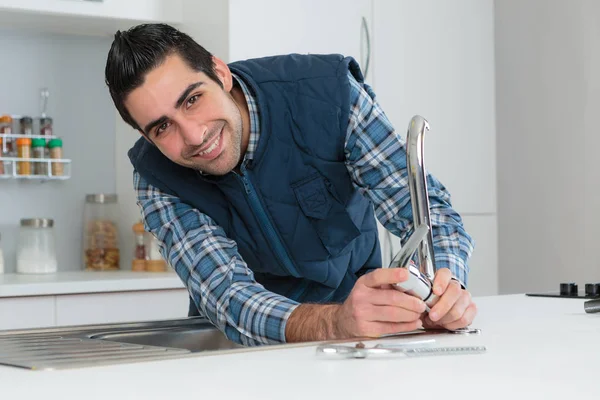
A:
(223, 73)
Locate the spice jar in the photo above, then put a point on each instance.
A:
(24, 151)
(55, 146)
(36, 253)
(38, 151)
(100, 238)
(6, 129)
(26, 124)
(46, 126)
(139, 255)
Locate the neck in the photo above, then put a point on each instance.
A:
(240, 101)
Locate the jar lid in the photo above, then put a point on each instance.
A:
(55, 143)
(45, 120)
(6, 119)
(37, 222)
(38, 142)
(101, 198)
(26, 120)
(23, 142)
(138, 228)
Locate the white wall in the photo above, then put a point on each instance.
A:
(73, 69)
(548, 102)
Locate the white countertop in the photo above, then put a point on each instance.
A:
(538, 348)
(15, 285)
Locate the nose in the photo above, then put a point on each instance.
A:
(192, 132)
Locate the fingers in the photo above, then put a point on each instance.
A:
(446, 302)
(465, 320)
(393, 297)
(457, 311)
(384, 276)
(442, 279)
(390, 314)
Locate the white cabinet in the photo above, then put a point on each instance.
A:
(243, 29)
(89, 17)
(26, 312)
(436, 58)
(81, 309)
(92, 308)
(261, 28)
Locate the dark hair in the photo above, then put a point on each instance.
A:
(140, 49)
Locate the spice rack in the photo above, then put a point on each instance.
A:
(9, 164)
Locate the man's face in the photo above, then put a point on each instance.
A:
(188, 116)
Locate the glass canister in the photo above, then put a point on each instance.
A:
(100, 232)
(154, 260)
(139, 254)
(36, 253)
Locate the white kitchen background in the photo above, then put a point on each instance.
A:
(509, 96)
(71, 68)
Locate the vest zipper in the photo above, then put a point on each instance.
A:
(266, 225)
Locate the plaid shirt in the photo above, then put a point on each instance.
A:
(221, 283)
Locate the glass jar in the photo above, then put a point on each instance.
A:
(139, 254)
(38, 151)
(26, 124)
(36, 253)
(154, 260)
(46, 126)
(100, 232)
(24, 151)
(55, 146)
(6, 129)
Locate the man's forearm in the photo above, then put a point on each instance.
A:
(313, 322)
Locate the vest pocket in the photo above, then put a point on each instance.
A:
(326, 214)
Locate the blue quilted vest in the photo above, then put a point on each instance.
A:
(299, 223)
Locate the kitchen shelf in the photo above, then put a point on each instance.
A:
(10, 163)
(10, 168)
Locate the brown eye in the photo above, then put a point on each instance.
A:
(161, 128)
(192, 100)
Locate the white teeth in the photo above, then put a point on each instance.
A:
(212, 146)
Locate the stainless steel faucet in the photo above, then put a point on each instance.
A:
(417, 183)
(420, 282)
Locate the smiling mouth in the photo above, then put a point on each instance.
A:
(212, 146)
(212, 149)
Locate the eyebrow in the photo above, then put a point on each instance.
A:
(178, 104)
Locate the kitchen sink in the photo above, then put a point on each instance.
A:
(92, 345)
(195, 339)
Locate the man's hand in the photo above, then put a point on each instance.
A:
(373, 308)
(454, 308)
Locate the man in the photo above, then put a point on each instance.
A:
(259, 180)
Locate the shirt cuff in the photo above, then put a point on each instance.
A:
(456, 265)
